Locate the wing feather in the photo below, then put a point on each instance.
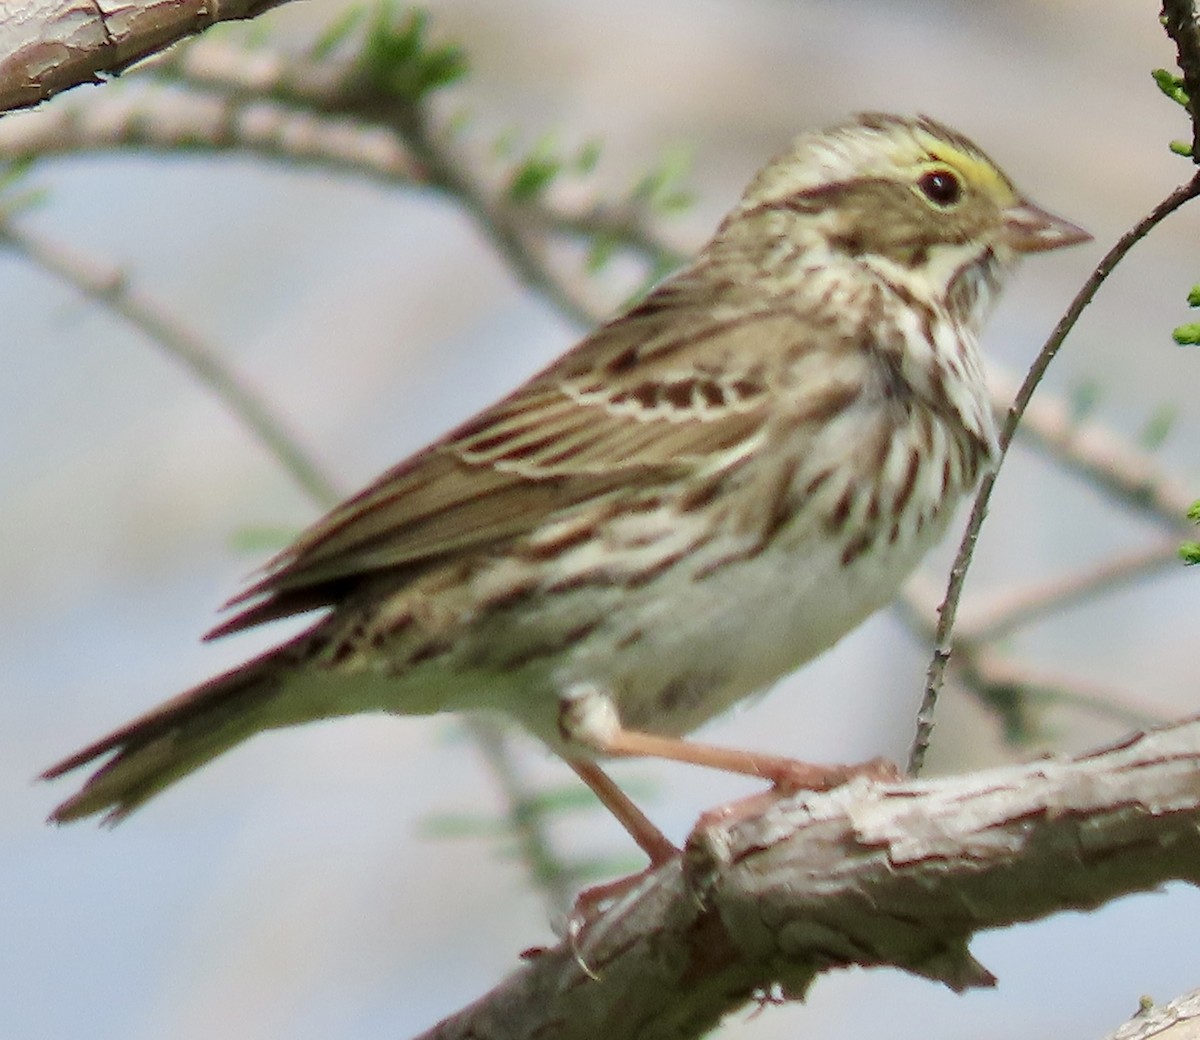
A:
(629, 410)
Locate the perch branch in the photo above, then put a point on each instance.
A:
(869, 874)
(48, 46)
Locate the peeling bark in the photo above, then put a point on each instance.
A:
(900, 874)
(47, 46)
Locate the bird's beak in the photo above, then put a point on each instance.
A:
(1030, 229)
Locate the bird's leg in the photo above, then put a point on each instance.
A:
(657, 847)
(588, 717)
(650, 839)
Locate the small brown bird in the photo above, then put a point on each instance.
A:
(702, 495)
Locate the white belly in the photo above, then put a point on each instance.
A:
(709, 643)
(677, 617)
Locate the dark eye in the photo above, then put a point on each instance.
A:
(941, 187)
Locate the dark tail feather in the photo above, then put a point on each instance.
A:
(174, 739)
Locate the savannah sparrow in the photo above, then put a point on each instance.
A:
(705, 493)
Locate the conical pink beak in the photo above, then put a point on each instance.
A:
(1030, 229)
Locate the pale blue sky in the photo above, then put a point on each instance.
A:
(289, 890)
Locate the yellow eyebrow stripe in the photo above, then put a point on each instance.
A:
(975, 170)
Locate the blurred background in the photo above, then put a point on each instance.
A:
(298, 888)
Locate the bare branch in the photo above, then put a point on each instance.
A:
(548, 870)
(1007, 685)
(1173, 1021)
(1108, 461)
(179, 122)
(868, 874)
(108, 285)
(1179, 19)
(50, 45)
(958, 571)
(1011, 686)
(1036, 601)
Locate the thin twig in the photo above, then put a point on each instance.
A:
(935, 674)
(330, 87)
(1179, 19)
(181, 122)
(1107, 461)
(109, 286)
(528, 821)
(1180, 24)
(303, 111)
(1038, 600)
(513, 239)
(1004, 682)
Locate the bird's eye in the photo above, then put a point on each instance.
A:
(941, 187)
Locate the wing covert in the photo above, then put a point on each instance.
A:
(646, 399)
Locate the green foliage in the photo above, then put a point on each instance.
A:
(534, 173)
(662, 189)
(1158, 427)
(1083, 399)
(660, 192)
(588, 156)
(1173, 87)
(538, 168)
(15, 196)
(398, 59)
(337, 33)
(600, 251)
(260, 541)
(1188, 335)
(1189, 552)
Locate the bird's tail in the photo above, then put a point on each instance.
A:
(174, 739)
